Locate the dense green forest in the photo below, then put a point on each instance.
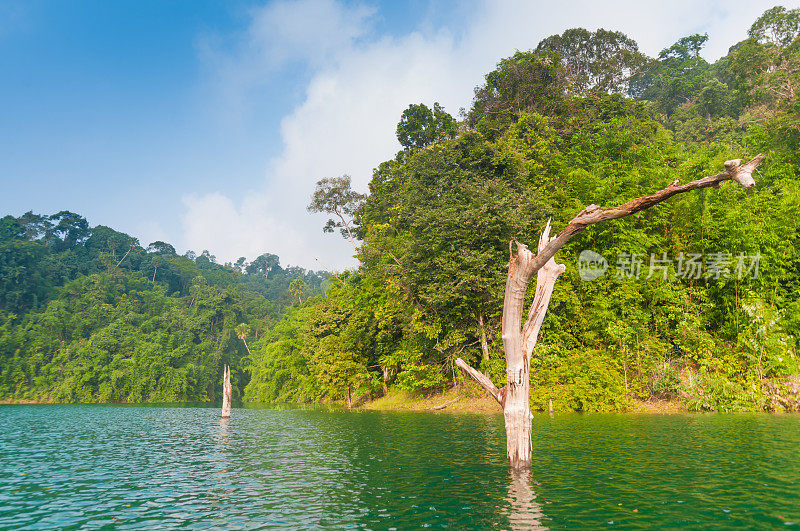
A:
(583, 118)
(89, 315)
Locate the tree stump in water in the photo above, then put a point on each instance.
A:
(227, 391)
(520, 339)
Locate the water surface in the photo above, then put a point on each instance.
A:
(145, 467)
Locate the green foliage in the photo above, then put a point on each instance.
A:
(546, 136)
(418, 378)
(297, 288)
(778, 26)
(676, 77)
(116, 337)
(601, 60)
(524, 82)
(279, 369)
(767, 345)
(548, 133)
(332, 348)
(87, 315)
(584, 381)
(421, 126)
(713, 391)
(665, 381)
(333, 195)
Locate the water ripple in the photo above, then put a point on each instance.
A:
(170, 467)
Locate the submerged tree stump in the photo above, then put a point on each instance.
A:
(227, 391)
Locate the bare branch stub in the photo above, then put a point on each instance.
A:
(484, 381)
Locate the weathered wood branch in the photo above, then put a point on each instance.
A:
(441, 406)
(734, 171)
(484, 381)
(545, 281)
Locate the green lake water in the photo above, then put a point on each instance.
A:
(159, 467)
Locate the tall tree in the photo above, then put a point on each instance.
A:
(524, 82)
(777, 26)
(769, 62)
(162, 248)
(676, 77)
(69, 230)
(600, 60)
(36, 226)
(333, 195)
(263, 265)
(421, 126)
(453, 211)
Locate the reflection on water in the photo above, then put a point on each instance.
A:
(222, 433)
(525, 513)
(127, 467)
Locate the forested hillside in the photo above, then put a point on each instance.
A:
(697, 299)
(89, 315)
(700, 299)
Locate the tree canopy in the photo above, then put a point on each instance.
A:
(80, 324)
(334, 195)
(421, 126)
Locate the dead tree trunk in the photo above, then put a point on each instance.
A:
(386, 375)
(227, 391)
(519, 340)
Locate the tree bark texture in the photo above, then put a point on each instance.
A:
(520, 339)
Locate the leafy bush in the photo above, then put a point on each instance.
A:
(665, 380)
(419, 378)
(577, 381)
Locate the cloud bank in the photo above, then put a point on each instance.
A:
(359, 82)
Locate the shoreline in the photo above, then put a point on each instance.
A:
(473, 400)
(467, 398)
(450, 401)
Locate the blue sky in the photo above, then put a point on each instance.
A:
(107, 112)
(207, 123)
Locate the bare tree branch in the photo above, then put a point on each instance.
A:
(486, 383)
(125, 255)
(594, 214)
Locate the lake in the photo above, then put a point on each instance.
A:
(143, 467)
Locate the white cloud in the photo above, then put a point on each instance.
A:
(151, 231)
(315, 31)
(361, 84)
